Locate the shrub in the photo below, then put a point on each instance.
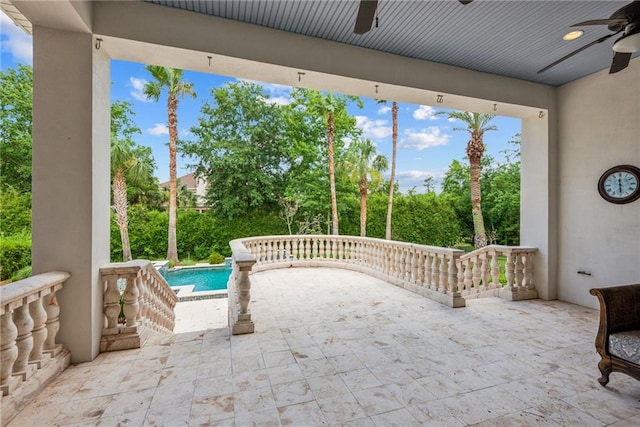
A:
(23, 273)
(16, 212)
(216, 258)
(15, 253)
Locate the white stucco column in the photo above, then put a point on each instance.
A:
(71, 178)
(538, 199)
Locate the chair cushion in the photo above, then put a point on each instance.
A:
(626, 345)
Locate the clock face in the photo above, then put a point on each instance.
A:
(620, 184)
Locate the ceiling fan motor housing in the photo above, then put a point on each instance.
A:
(630, 42)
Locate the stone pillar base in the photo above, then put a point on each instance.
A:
(514, 294)
(128, 338)
(244, 325)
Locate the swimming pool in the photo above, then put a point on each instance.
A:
(203, 278)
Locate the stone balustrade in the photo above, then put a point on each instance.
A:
(137, 303)
(443, 274)
(30, 358)
(479, 273)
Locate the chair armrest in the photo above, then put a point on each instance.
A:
(619, 307)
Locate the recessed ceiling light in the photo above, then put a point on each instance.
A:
(572, 35)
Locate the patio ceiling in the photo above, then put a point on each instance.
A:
(507, 38)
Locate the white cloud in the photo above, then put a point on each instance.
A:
(424, 112)
(278, 94)
(423, 138)
(373, 129)
(415, 179)
(184, 132)
(15, 41)
(384, 109)
(137, 89)
(452, 120)
(158, 129)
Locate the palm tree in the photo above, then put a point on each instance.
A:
(477, 125)
(364, 161)
(129, 163)
(171, 79)
(394, 142)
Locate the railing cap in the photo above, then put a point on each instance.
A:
(16, 291)
(241, 254)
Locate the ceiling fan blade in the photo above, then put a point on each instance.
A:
(600, 40)
(620, 62)
(608, 21)
(366, 13)
(465, 1)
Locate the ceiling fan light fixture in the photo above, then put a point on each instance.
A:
(573, 35)
(628, 44)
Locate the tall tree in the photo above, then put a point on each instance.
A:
(333, 109)
(240, 148)
(16, 104)
(394, 142)
(365, 162)
(129, 163)
(170, 79)
(477, 125)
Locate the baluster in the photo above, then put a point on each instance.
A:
(528, 271)
(111, 301)
(397, 267)
(39, 332)
(8, 349)
(244, 291)
(131, 304)
(321, 249)
(144, 316)
(339, 246)
(453, 277)
(427, 269)
(495, 270)
(420, 268)
(289, 249)
(443, 275)
(468, 281)
(53, 322)
(24, 340)
(435, 273)
(461, 273)
(519, 270)
(485, 272)
(510, 267)
(477, 274)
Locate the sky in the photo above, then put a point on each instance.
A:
(427, 144)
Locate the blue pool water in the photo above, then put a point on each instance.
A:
(204, 278)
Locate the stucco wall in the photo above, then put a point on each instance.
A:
(598, 127)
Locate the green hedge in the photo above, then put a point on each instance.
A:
(15, 254)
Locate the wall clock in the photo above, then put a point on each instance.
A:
(620, 184)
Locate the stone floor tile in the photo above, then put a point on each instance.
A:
(213, 386)
(396, 418)
(434, 413)
(291, 393)
(308, 352)
(360, 379)
(302, 414)
(174, 415)
(360, 422)
(327, 386)
(132, 401)
(168, 395)
(341, 408)
(377, 400)
(285, 374)
(129, 419)
(410, 392)
(76, 411)
(250, 380)
(268, 418)
(259, 399)
(214, 368)
(278, 358)
(211, 407)
(178, 374)
(599, 404)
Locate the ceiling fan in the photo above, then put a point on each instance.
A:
(625, 20)
(367, 12)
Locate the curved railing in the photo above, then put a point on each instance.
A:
(137, 302)
(443, 274)
(30, 357)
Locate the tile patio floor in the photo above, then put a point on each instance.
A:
(335, 347)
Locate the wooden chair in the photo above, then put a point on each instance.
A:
(618, 338)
